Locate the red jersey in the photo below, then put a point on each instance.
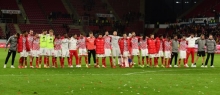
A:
(24, 43)
(151, 46)
(161, 45)
(183, 45)
(134, 42)
(143, 44)
(30, 40)
(107, 42)
(57, 44)
(36, 44)
(100, 43)
(167, 45)
(82, 43)
(125, 45)
(90, 43)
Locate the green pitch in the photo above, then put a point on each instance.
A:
(100, 81)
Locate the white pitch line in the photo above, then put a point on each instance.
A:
(107, 75)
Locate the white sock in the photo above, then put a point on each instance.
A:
(113, 59)
(119, 60)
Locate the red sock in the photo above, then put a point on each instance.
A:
(45, 60)
(77, 59)
(138, 60)
(147, 60)
(21, 60)
(31, 61)
(162, 60)
(86, 59)
(155, 61)
(69, 61)
(25, 61)
(169, 61)
(165, 61)
(103, 61)
(150, 61)
(53, 61)
(61, 61)
(37, 61)
(184, 61)
(124, 61)
(40, 60)
(80, 58)
(180, 61)
(48, 61)
(111, 61)
(142, 60)
(97, 61)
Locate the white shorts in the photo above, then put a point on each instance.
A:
(83, 52)
(144, 52)
(24, 53)
(49, 52)
(182, 54)
(30, 53)
(108, 52)
(167, 54)
(135, 52)
(100, 55)
(159, 54)
(57, 53)
(43, 51)
(116, 52)
(35, 53)
(126, 54)
(65, 53)
(152, 55)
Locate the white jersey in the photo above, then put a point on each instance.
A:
(191, 42)
(72, 44)
(114, 41)
(65, 44)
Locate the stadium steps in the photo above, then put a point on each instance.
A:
(110, 8)
(17, 29)
(2, 26)
(142, 6)
(65, 4)
(24, 15)
(77, 27)
(188, 11)
(155, 31)
(74, 11)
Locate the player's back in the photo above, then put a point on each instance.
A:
(115, 41)
(65, 44)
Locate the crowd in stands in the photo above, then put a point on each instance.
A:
(197, 29)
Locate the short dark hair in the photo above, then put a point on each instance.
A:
(151, 34)
(91, 32)
(17, 34)
(160, 35)
(23, 32)
(44, 30)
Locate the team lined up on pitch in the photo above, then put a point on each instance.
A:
(44, 46)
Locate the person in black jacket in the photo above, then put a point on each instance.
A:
(13, 41)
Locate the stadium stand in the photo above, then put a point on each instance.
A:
(33, 11)
(8, 4)
(11, 28)
(204, 9)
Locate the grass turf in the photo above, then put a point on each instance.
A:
(100, 81)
